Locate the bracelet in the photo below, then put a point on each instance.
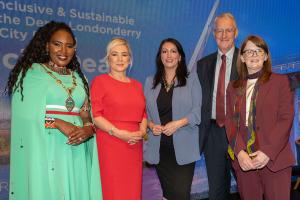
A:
(145, 137)
(49, 122)
(91, 125)
(88, 124)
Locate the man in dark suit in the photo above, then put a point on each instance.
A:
(215, 72)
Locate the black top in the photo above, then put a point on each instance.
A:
(164, 106)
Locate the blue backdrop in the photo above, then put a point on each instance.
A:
(144, 24)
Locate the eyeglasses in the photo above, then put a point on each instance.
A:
(250, 52)
(219, 32)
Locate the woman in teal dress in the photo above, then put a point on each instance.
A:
(53, 151)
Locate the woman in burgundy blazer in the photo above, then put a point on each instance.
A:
(259, 110)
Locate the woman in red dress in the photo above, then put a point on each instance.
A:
(118, 106)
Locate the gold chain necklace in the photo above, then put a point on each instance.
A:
(168, 86)
(55, 68)
(69, 103)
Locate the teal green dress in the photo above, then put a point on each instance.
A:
(43, 166)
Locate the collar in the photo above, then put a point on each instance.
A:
(255, 75)
(229, 54)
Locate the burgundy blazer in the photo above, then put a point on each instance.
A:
(274, 117)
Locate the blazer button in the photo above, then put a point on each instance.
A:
(257, 128)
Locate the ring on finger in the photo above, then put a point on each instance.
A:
(80, 139)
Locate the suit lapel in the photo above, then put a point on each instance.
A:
(243, 107)
(154, 104)
(233, 74)
(211, 74)
(263, 90)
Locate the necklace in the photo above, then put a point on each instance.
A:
(69, 103)
(57, 69)
(168, 86)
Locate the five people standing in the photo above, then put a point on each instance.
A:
(181, 123)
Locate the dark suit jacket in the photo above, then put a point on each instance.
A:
(206, 73)
(274, 118)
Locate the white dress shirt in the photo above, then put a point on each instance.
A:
(229, 57)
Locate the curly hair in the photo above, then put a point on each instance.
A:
(35, 52)
(181, 71)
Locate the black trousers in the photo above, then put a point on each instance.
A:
(175, 180)
(217, 163)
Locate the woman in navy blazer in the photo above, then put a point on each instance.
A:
(173, 99)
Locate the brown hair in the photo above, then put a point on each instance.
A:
(242, 68)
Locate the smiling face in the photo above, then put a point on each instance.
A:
(61, 48)
(119, 58)
(225, 32)
(254, 57)
(170, 56)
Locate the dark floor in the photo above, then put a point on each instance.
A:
(152, 189)
(295, 194)
(234, 196)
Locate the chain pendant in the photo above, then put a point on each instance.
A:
(69, 91)
(69, 103)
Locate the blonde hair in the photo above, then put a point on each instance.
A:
(116, 42)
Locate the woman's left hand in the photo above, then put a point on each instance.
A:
(260, 159)
(139, 133)
(80, 135)
(171, 127)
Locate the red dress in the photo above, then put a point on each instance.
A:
(123, 104)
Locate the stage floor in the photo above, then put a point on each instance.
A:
(152, 190)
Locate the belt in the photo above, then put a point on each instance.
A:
(62, 113)
(61, 110)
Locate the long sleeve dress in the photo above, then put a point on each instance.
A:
(42, 165)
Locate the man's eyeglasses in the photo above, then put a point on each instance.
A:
(219, 32)
(256, 52)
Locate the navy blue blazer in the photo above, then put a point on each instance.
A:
(186, 102)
